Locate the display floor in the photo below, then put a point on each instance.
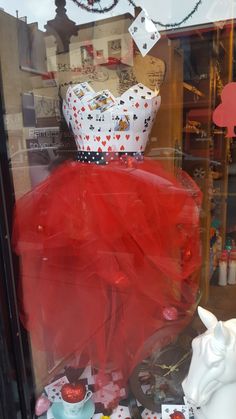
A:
(221, 302)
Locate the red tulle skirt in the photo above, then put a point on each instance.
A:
(109, 256)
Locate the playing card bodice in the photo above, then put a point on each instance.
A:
(102, 123)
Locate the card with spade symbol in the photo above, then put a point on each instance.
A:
(172, 411)
(144, 33)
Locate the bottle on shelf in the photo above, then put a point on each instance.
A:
(232, 268)
(223, 268)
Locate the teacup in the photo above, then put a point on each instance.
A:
(72, 409)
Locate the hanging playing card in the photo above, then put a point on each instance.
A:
(144, 33)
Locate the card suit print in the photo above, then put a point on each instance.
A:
(137, 138)
(127, 137)
(143, 19)
(117, 136)
(98, 138)
(104, 143)
(108, 137)
(99, 150)
(122, 148)
(225, 114)
(145, 46)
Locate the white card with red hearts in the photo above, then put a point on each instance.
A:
(53, 390)
(169, 411)
(144, 33)
(121, 412)
(147, 414)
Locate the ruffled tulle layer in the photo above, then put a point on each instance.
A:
(109, 256)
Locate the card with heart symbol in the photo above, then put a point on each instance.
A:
(147, 414)
(174, 411)
(121, 412)
(144, 33)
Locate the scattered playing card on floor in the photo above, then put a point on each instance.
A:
(144, 33)
(174, 411)
(147, 414)
(53, 390)
(121, 412)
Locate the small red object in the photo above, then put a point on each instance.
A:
(73, 393)
(224, 115)
(170, 313)
(177, 415)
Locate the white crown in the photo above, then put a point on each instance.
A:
(100, 122)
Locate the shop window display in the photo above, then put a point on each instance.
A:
(120, 138)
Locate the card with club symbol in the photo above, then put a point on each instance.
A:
(53, 390)
(174, 411)
(144, 33)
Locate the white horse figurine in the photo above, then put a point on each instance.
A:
(210, 386)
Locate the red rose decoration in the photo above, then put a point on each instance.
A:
(73, 393)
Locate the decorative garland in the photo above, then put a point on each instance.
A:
(177, 24)
(89, 7)
(92, 9)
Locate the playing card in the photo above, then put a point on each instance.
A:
(144, 33)
(168, 411)
(121, 412)
(122, 122)
(53, 390)
(147, 414)
(101, 101)
(190, 408)
(143, 91)
(82, 89)
(87, 374)
(96, 122)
